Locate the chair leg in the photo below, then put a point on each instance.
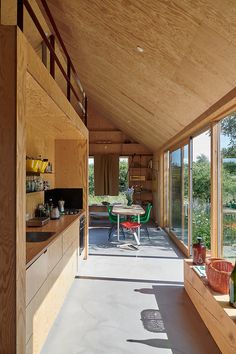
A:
(122, 230)
(136, 238)
(111, 231)
(146, 229)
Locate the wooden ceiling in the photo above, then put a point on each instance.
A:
(188, 62)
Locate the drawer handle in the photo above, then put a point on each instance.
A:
(45, 251)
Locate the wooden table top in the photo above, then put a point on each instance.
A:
(35, 249)
(134, 209)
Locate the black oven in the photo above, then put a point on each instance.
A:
(82, 234)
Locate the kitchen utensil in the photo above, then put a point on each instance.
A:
(54, 213)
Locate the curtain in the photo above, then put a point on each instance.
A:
(106, 174)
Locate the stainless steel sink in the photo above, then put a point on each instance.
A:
(38, 236)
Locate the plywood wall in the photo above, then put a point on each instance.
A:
(12, 192)
(71, 160)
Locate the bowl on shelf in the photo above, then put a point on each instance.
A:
(42, 166)
(32, 165)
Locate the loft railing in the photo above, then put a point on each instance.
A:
(50, 44)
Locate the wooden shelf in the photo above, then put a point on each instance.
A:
(31, 173)
(34, 192)
(143, 191)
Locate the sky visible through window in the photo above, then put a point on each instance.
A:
(201, 145)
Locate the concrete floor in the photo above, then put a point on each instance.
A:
(127, 301)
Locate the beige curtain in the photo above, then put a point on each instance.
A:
(106, 174)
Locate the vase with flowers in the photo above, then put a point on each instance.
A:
(129, 196)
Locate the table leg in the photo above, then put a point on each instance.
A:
(118, 227)
(139, 227)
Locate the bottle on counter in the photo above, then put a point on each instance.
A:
(199, 252)
(232, 288)
(50, 202)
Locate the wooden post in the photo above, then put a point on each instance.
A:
(190, 195)
(161, 189)
(69, 75)
(215, 191)
(44, 53)
(52, 60)
(86, 110)
(166, 190)
(12, 191)
(20, 14)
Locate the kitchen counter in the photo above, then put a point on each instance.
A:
(35, 249)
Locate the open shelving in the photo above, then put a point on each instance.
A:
(140, 177)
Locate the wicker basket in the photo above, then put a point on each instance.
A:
(218, 273)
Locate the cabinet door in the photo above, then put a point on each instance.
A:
(54, 253)
(36, 274)
(70, 235)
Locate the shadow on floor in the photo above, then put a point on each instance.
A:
(181, 323)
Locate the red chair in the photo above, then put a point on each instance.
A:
(130, 225)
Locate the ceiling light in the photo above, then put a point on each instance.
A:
(140, 49)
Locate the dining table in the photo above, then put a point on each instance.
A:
(132, 210)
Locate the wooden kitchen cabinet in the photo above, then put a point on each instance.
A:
(61, 266)
(70, 235)
(36, 274)
(55, 252)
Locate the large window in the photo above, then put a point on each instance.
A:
(179, 193)
(228, 186)
(201, 188)
(123, 183)
(188, 184)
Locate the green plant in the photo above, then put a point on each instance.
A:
(201, 224)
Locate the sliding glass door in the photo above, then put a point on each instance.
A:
(188, 183)
(179, 193)
(228, 186)
(201, 188)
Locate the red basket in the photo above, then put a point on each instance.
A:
(218, 272)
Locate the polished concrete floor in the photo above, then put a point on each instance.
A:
(126, 301)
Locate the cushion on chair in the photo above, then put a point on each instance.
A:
(130, 224)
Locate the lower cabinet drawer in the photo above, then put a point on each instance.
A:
(36, 274)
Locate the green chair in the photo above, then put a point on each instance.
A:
(113, 221)
(144, 219)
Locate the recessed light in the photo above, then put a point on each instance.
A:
(140, 49)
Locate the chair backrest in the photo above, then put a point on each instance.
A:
(146, 216)
(112, 218)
